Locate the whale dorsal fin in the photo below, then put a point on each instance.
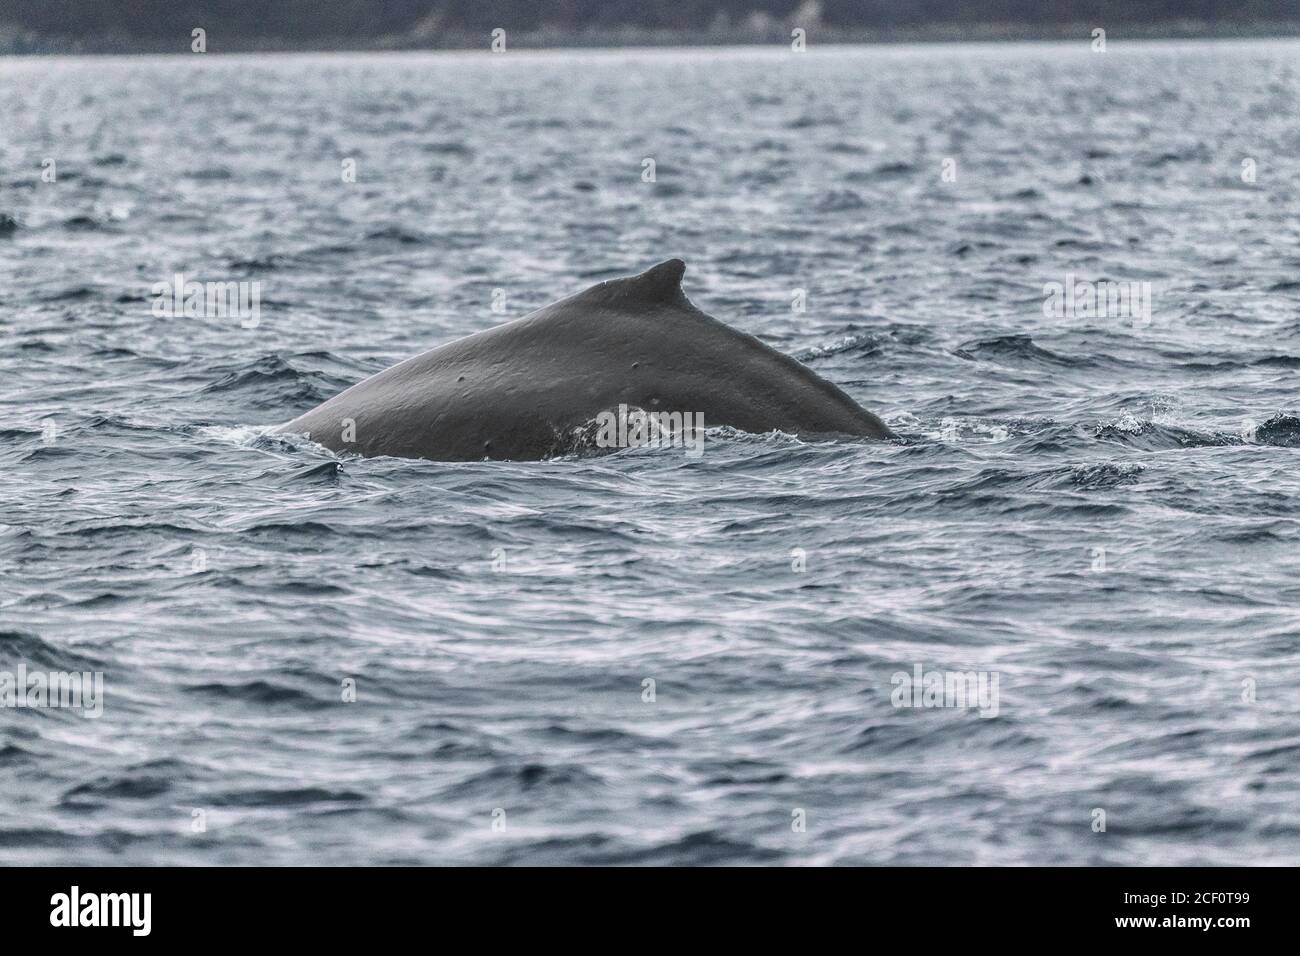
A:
(661, 282)
(658, 284)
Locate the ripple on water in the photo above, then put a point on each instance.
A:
(638, 658)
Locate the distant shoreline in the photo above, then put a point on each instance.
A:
(17, 42)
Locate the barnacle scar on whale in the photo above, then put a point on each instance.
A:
(513, 392)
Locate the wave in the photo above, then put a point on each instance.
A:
(76, 293)
(272, 381)
(892, 170)
(35, 652)
(1226, 365)
(840, 200)
(1018, 349)
(374, 239)
(84, 223)
(522, 779)
(290, 797)
(865, 343)
(1091, 477)
(397, 234)
(107, 789)
(854, 342)
(259, 692)
(1150, 436)
(1281, 431)
(327, 473)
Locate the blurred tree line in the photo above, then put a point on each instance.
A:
(303, 20)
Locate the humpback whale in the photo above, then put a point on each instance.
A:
(520, 391)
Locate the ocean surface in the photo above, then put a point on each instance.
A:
(640, 657)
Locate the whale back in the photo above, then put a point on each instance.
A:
(517, 390)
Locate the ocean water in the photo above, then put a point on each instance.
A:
(642, 657)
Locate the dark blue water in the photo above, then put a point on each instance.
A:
(1098, 511)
